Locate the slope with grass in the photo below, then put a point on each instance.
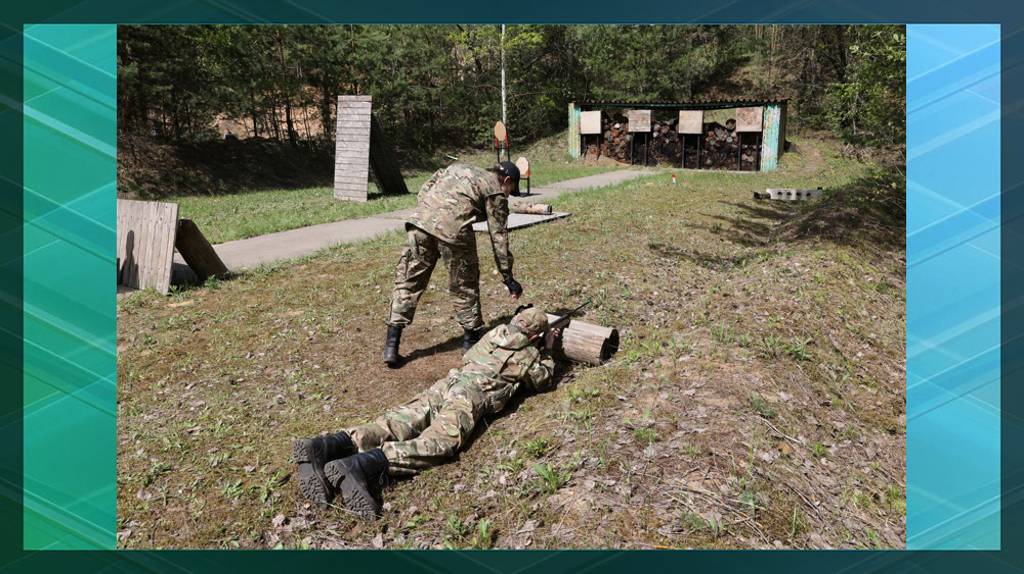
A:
(757, 399)
(245, 214)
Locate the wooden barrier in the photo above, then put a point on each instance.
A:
(352, 148)
(146, 232)
(359, 146)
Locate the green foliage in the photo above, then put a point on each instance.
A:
(645, 436)
(761, 406)
(536, 447)
(439, 86)
(819, 450)
(551, 478)
(797, 349)
(869, 105)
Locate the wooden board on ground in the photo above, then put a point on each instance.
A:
(749, 119)
(521, 220)
(590, 122)
(352, 148)
(691, 121)
(639, 120)
(197, 251)
(146, 231)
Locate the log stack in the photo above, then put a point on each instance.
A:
(719, 144)
(586, 342)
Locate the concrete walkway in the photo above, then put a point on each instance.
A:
(255, 251)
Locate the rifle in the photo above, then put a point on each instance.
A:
(560, 322)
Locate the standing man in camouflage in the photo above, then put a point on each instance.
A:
(442, 226)
(430, 429)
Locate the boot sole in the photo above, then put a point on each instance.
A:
(313, 484)
(357, 498)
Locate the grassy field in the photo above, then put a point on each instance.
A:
(240, 215)
(757, 399)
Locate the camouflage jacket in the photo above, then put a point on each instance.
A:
(504, 360)
(459, 195)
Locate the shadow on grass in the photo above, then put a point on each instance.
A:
(706, 260)
(867, 212)
(449, 344)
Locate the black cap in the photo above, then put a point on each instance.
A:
(509, 169)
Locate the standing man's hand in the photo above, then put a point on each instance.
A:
(514, 288)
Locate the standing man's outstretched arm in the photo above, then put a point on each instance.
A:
(497, 227)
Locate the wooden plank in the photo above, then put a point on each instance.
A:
(351, 170)
(197, 251)
(590, 123)
(355, 145)
(749, 119)
(352, 147)
(522, 220)
(146, 231)
(349, 187)
(347, 153)
(639, 120)
(691, 121)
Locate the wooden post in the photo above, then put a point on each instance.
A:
(586, 342)
(197, 251)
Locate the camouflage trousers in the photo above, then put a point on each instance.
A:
(412, 275)
(428, 430)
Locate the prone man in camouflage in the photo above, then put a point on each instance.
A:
(442, 226)
(430, 429)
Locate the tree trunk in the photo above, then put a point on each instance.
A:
(255, 117)
(586, 342)
(325, 109)
(288, 120)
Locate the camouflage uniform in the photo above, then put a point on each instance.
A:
(431, 428)
(448, 204)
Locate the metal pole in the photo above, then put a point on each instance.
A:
(739, 151)
(504, 116)
(760, 138)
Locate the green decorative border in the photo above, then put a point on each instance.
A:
(70, 213)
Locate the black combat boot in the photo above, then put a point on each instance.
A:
(470, 337)
(312, 454)
(359, 479)
(394, 337)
